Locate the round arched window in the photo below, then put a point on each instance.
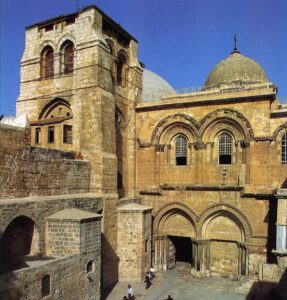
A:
(181, 150)
(225, 149)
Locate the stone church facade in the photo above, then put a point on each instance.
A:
(117, 171)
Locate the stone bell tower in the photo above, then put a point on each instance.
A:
(80, 80)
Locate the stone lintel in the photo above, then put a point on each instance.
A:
(200, 187)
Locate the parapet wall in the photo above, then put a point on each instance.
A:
(69, 279)
(29, 171)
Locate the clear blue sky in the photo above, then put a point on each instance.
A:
(181, 40)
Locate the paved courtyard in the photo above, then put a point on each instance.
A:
(181, 285)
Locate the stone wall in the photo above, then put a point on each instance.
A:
(73, 231)
(256, 165)
(134, 244)
(30, 171)
(39, 208)
(68, 277)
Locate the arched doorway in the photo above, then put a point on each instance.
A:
(174, 229)
(224, 232)
(18, 240)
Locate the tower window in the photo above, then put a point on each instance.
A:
(67, 58)
(38, 135)
(121, 78)
(225, 149)
(46, 285)
(284, 149)
(67, 134)
(181, 151)
(51, 134)
(47, 62)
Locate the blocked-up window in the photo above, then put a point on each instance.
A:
(225, 149)
(51, 134)
(47, 62)
(67, 58)
(46, 285)
(181, 150)
(68, 134)
(284, 149)
(38, 135)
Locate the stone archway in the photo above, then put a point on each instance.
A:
(225, 230)
(19, 239)
(174, 230)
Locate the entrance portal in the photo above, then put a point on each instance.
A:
(182, 249)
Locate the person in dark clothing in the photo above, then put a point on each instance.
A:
(147, 281)
(169, 297)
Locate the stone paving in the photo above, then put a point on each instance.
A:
(180, 284)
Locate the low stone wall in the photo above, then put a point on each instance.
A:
(68, 280)
(29, 171)
(39, 208)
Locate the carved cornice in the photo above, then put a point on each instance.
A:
(150, 193)
(143, 144)
(174, 187)
(263, 138)
(159, 148)
(245, 144)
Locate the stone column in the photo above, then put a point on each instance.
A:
(159, 158)
(200, 257)
(134, 241)
(281, 228)
(246, 158)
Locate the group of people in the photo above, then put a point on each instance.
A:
(148, 281)
(149, 277)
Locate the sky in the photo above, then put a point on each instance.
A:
(181, 40)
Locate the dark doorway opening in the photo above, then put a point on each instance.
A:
(183, 248)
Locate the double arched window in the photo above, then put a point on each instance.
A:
(67, 58)
(47, 62)
(225, 149)
(284, 149)
(181, 150)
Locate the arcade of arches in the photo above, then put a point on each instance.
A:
(213, 244)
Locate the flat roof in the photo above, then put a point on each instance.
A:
(72, 15)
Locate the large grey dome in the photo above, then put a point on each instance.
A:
(155, 87)
(236, 70)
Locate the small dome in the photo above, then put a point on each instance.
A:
(155, 87)
(235, 71)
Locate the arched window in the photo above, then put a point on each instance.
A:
(181, 151)
(47, 62)
(225, 149)
(121, 78)
(67, 57)
(284, 149)
(46, 285)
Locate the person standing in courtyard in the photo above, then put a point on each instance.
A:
(147, 280)
(130, 292)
